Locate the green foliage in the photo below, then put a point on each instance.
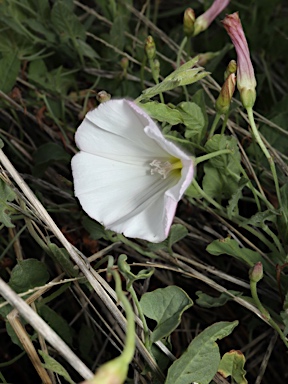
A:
(207, 301)
(165, 306)
(54, 366)
(177, 233)
(28, 274)
(183, 75)
(9, 69)
(232, 364)
(200, 361)
(231, 247)
(222, 173)
(56, 322)
(61, 256)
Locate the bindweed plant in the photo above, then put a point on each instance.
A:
(143, 192)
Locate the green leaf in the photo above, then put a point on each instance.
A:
(177, 233)
(47, 154)
(6, 195)
(9, 69)
(207, 301)
(193, 192)
(62, 257)
(50, 152)
(162, 112)
(66, 22)
(27, 274)
(165, 305)
(231, 247)
(56, 322)
(53, 365)
(232, 208)
(222, 177)
(259, 218)
(86, 338)
(194, 120)
(232, 364)
(117, 36)
(200, 361)
(95, 230)
(231, 160)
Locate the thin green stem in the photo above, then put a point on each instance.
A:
(224, 123)
(209, 156)
(129, 348)
(256, 193)
(155, 76)
(205, 196)
(214, 125)
(237, 220)
(147, 342)
(181, 49)
(275, 239)
(265, 313)
(266, 153)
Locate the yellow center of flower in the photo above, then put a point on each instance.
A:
(165, 167)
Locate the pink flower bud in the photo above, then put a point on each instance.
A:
(224, 99)
(202, 22)
(256, 272)
(246, 81)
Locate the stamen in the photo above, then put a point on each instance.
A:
(164, 167)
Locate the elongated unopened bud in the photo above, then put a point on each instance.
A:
(188, 22)
(150, 48)
(223, 102)
(246, 82)
(231, 68)
(203, 21)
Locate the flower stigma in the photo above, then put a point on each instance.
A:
(165, 167)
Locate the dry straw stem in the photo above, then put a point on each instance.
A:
(93, 278)
(27, 344)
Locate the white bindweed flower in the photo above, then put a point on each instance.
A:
(127, 175)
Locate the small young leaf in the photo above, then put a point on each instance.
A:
(27, 274)
(231, 247)
(165, 305)
(232, 364)
(200, 361)
(207, 301)
(56, 367)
